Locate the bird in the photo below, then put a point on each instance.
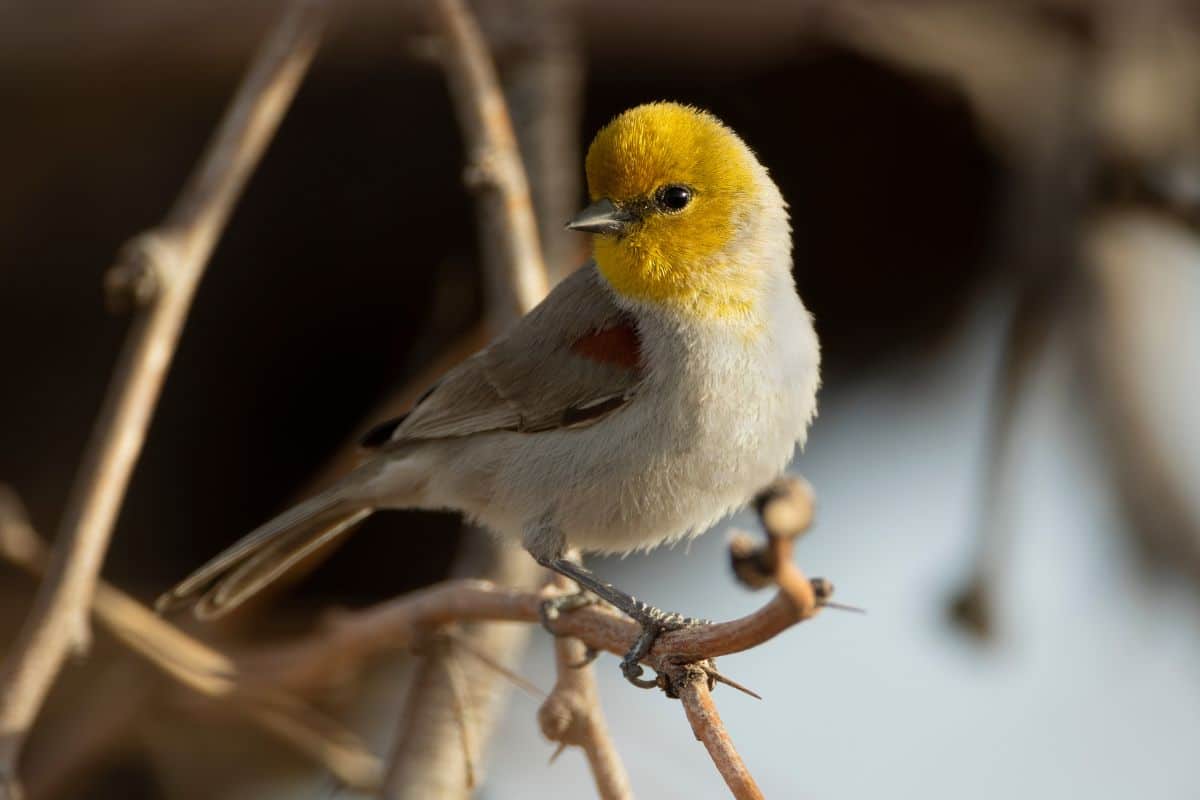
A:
(651, 393)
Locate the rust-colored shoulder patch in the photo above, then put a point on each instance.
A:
(618, 345)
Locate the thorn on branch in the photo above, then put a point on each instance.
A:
(822, 588)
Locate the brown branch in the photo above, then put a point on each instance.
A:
(571, 716)
(350, 639)
(424, 761)
(508, 230)
(158, 271)
(709, 729)
(541, 56)
(199, 667)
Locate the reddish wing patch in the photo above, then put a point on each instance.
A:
(618, 346)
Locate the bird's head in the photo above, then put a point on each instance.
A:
(684, 214)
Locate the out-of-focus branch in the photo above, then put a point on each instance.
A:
(511, 250)
(197, 666)
(571, 716)
(1140, 267)
(427, 759)
(158, 271)
(538, 49)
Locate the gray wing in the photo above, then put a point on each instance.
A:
(571, 361)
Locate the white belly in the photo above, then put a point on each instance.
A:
(699, 440)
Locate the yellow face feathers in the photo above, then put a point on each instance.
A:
(688, 184)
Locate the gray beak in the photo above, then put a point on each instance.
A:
(601, 217)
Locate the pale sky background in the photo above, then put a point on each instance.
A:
(1093, 689)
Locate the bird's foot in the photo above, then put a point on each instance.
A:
(553, 607)
(654, 622)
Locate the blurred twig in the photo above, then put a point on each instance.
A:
(571, 716)
(538, 48)
(1094, 108)
(158, 272)
(199, 667)
(511, 250)
(1137, 312)
(424, 761)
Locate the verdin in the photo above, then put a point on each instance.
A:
(652, 392)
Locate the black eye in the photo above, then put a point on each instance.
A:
(674, 197)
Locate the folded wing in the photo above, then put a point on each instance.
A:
(573, 360)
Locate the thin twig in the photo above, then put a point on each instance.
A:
(159, 272)
(462, 644)
(541, 53)
(786, 511)
(199, 667)
(709, 729)
(460, 702)
(571, 716)
(347, 643)
(421, 763)
(508, 228)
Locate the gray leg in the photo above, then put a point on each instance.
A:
(546, 544)
(654, 621)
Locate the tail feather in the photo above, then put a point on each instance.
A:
(264, 554)
(261, 568)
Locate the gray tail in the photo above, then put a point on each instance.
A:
(265, 553)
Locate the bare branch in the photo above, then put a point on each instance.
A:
(709, 729)
(423, 762)
(508, 229)
(349, 640)
(199, 667)
(158, 271)
(571, 716)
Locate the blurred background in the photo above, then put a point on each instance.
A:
(996, 211)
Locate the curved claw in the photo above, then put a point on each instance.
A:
(632, 671)
(630, 668)
(655, 622)
(552, 607)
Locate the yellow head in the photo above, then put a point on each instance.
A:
(677, 198)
